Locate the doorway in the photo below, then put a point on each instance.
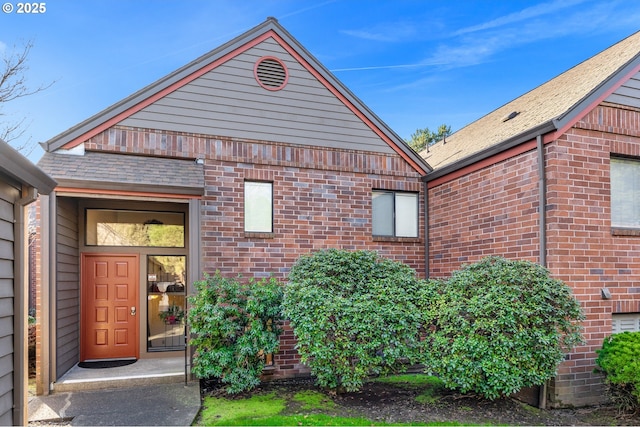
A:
(109, 320)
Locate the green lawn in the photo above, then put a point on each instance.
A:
(305, 408)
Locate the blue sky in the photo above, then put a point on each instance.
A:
(414, 63)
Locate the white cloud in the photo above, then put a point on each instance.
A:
(386, 32)
(522, 15)
(479, 43)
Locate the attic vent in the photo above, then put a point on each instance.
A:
(271, 73)
(510, 116)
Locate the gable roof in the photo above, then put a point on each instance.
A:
(19, 168)
(552, 106)
(199, 67)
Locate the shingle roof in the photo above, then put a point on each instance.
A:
(552, 103)
(95, 170)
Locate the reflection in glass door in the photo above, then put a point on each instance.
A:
(166, 278)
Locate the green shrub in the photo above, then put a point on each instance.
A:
(619, 359)
(498, 326)
(353, 315)
(234, 326)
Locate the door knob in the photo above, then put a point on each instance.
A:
(133, 311)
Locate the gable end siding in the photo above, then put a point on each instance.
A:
(628, 94)
(228, 101)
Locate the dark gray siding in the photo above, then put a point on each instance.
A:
(8, 195)
(68, 286)
(628, 93)
(228, 101)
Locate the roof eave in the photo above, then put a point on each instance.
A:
(600, 92)
(270, 24)
(142, 94)
(123, 187)
(354, 100)
(21, 169)
(542, 129)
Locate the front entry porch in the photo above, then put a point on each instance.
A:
(85, 313)
(142, 372)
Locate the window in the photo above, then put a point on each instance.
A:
(110, 227)
(258, 207)
(625, 193)
(395, 214)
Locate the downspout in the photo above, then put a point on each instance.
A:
(542, 214)
(53, 294)
(21, 307)
(542, 186)
(426, 230)
(194, 258)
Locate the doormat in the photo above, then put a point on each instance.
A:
(104, 364)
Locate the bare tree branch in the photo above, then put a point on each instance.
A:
(13, 85)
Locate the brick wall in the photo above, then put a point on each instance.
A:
(493, 211)
(322, 199)
(36, 242)
(583, 250)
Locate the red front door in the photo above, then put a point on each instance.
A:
(109, 323)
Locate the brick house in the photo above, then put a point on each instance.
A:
(571, 145)
(240, 161)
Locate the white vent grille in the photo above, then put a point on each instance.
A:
(625, 322)
(271, 73)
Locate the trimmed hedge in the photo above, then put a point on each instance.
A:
(497, 326)
(353, 315)
(619, 360)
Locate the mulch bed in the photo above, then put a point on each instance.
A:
(394, 404)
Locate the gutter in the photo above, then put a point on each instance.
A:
(531, 134)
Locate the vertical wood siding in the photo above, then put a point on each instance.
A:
(8, 195)
(228, 101)
(68, 286)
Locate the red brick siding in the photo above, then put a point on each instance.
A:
(322, 199)
(493, 211)
(153, 142)
(36, 242)
(582, 249)
(312, 210)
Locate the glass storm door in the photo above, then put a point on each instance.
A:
(166, 302)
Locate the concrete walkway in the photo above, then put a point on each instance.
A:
(148, 405)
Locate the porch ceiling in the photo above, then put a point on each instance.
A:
(122, 172)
